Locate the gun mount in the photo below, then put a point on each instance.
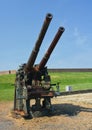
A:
(33, 81)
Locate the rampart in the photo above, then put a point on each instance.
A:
(54, 70)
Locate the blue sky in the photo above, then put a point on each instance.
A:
(20, 25)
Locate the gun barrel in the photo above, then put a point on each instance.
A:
(51, 47)
(35, 51)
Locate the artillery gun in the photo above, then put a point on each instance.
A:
(33, 81)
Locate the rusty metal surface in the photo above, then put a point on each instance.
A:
(51, 47)
(41, 94)
(35, 51)
(33, 81)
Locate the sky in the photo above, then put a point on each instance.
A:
(20, 25)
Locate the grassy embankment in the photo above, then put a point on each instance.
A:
(7, 87)
(78, 81)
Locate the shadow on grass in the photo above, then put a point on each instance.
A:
(69, 109)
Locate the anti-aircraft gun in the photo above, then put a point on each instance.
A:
(33, 81)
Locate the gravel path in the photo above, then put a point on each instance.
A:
(73, 112)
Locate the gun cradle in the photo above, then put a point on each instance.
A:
(33, 81)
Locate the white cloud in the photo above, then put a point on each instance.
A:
(79, 38)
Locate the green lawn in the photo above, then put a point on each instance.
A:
(7, 87)
(78, 81)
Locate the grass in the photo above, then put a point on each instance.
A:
(78, 81)
(7, 87)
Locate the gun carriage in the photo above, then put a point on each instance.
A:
(33, 81)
